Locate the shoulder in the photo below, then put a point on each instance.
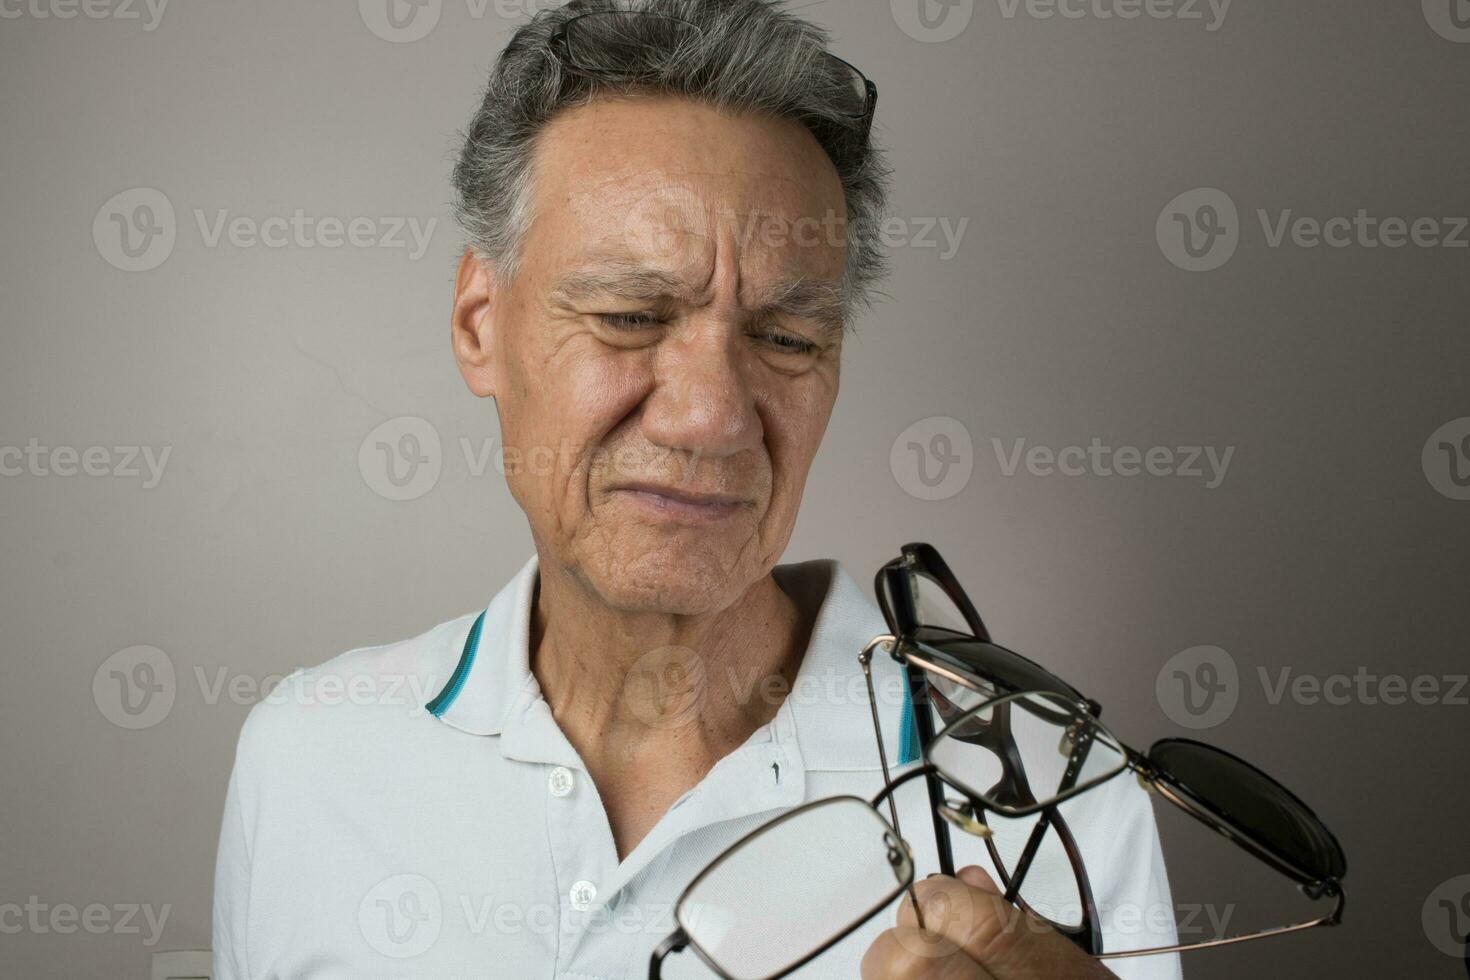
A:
(359, 697)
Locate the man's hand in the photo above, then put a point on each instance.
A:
(972, 933)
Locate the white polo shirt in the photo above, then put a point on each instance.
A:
(414, 811)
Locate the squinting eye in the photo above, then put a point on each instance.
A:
(630, 321)
(787, 343)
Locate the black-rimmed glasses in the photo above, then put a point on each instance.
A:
(629, 45)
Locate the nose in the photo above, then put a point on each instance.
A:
(702, 401)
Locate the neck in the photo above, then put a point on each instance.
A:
(622, 680)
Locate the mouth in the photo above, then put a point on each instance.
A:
(681, 505)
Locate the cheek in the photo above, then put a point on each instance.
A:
(796, 419)
(572, 397)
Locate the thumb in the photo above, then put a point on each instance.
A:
(1008, 942)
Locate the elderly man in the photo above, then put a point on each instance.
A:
(671, 218)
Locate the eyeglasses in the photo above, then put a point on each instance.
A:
(835, 863)
(629, 46)
(1019, 741)
(830, 865)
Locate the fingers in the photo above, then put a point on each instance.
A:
(969, 916)
(899, 954)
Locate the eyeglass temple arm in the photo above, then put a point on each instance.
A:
(1330, 919)
(676, 941)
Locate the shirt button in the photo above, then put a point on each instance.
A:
(582, 896)
(560, 781)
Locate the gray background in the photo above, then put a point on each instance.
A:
(266, 545)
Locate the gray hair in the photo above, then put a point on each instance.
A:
(745, 56)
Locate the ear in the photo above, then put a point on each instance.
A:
(472, 323)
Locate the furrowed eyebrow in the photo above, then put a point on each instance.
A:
(818, 300)
(618, 278)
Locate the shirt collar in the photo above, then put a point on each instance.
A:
(825, 717)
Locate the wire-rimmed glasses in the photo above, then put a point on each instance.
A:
(629, 45)
(737, 914)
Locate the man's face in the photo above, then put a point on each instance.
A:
(666, 359)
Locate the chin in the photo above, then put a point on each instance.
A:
(681, 577)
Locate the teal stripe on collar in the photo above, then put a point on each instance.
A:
(908, 731)
(446, 697)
